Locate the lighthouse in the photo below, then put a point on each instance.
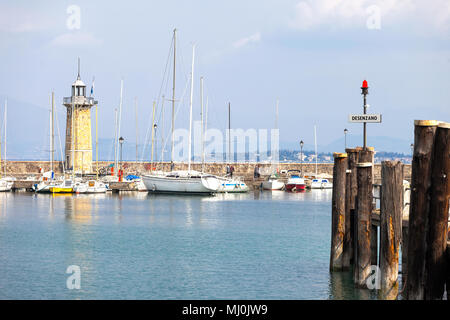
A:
(78, 148)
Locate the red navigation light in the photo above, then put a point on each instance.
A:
(365, 84)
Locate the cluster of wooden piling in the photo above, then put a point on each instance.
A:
(368, 241)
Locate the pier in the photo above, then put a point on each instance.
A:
(377, 221)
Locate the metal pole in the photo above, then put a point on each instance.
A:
(229, 131)
(173, 92)
(365, 124)
(301, 159)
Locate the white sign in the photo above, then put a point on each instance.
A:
(373, 118)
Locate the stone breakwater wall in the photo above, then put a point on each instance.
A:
(22, 169)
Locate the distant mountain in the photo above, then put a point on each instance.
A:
(380, 143)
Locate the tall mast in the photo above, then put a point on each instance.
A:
(96, 138)
(229, 131)
(115, 139)
(206, 122)
(153, 134)
(52, 135)
(201, 115)
(162, 130)
(190, 108)
(137, 132)
(315, 145)
(6, 108)
(173, 91)
(276, 127)
(118, 123)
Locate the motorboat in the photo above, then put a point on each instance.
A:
(295, 182)
(6, 184)
(272, 183)
(90, 186)
(232, 185)
(321, 184)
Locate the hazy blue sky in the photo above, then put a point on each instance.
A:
(311, 55)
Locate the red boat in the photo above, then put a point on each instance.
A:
(295, 183)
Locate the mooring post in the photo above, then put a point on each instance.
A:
(351, 190)
(424, 133)
(338, 212)
(391, 215)
(436, 269)
(364, 210)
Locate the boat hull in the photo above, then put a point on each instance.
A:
(272, 185)
(295, 187)
(164, 184)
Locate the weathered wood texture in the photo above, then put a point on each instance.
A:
(364, 211)
(391, 211)
(424, 133)
(436, 261)
(338, 212)
(351, 190)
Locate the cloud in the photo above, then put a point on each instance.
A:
(343, 14)
(254, 38)
(76, 39)
(22, 20)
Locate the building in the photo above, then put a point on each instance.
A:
(78, 148)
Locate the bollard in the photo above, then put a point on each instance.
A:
(364, 210)
(438, 219)
(424, 133)
(391, 215)
(338, 212)
(351, 190)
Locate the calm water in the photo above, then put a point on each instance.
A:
(262, 245)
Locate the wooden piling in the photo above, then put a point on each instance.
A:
(364, 211)
(436, 261)
(338, 212)
(391, 214)
(424, 134)
(351, 190)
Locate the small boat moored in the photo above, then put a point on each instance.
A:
(295, 182)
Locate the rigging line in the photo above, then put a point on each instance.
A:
(180, 102)
(159, 95)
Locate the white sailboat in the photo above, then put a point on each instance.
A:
(182, 181)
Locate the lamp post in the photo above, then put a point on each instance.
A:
(301, 157)
(345, 137)
(121, 140)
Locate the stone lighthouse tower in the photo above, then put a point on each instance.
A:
(78, 150)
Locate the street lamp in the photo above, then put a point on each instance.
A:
(345, 137)
(121, 140)
(301, 157)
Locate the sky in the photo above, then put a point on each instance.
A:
(310, 55)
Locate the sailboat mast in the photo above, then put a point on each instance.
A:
(52, 135)
(163, 144)
(137, 131)
(173, 91)
(315, 145)
(276, 126)
(96, 138)
(153, 135)
(118, 125)
(201, 115)
(190, 108)
(229, 131)
(115, 138)
(6, 108)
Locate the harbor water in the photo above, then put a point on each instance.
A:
(258, 245)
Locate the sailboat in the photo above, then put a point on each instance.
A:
(182, 181)
(6, 183)
(272, 182)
